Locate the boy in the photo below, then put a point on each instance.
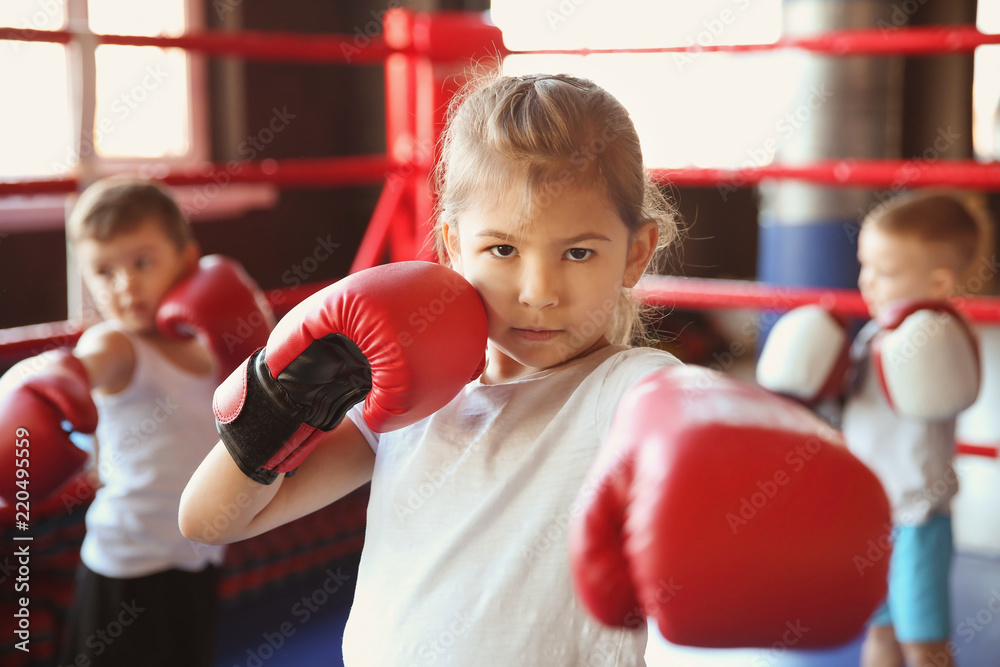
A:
(912, 369)
(152, 382)
(913, 253)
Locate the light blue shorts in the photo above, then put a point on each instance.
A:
(918, 604)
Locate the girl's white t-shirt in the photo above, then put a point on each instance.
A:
(465, 559)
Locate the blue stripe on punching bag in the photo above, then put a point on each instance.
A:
(822, 253)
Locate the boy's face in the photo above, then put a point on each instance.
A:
(550, 286)
(900, 267)
(129, 274)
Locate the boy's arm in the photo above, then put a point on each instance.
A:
(108, 357)
(222, 505)
(37, 396)
(94, 466)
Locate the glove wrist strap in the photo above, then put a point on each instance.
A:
(272, 432)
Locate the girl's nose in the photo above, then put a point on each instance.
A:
(539, 286)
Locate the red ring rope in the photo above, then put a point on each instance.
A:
(246, 44)
(353, 170)
(665, 291)
(873, 173)
(661, 291)
(304, 173)
(910, 41)
(920, 40)
(447, 36)
(704, 293)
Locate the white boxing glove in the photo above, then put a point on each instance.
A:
(926, 359)
(805, 357)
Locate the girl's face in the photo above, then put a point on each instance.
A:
(130, 273)
(550, 285)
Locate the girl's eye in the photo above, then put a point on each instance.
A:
(143, 263)
(503, 250)
(579, 254)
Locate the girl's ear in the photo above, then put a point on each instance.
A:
(641, 250)
(451, 246)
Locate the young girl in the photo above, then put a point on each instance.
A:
(545, 208)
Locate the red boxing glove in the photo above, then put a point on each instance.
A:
(732, 516)
(405, 338)
(38, 455)
(220, 302)
(926, 359)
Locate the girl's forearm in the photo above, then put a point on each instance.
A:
(220, 503)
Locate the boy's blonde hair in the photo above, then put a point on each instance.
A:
(937, 217)
(547, 133)
(115, 205)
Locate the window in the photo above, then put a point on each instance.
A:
(150, 107)
(147, 99)
(35, 127)
(143, 93)
(986, 87)
(732, 109)
(729, 105)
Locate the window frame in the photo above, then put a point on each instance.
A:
(48, 212)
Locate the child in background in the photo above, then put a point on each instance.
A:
(913, 252)
(546, 209)
(144, 594)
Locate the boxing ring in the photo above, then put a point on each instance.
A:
(424, 57)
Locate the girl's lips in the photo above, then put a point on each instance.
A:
(537, 334)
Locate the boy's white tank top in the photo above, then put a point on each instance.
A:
(151, 437)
